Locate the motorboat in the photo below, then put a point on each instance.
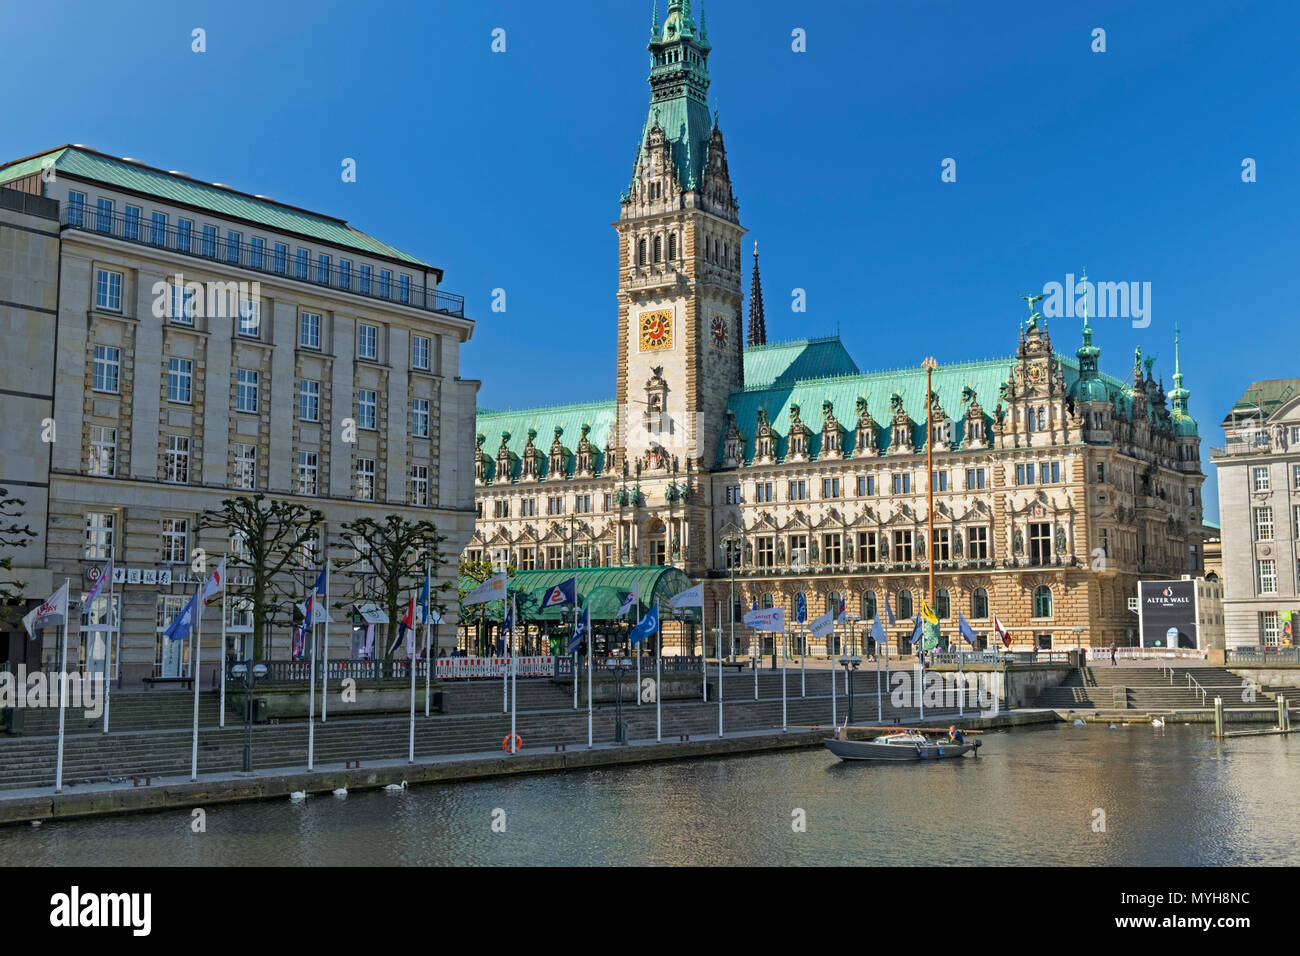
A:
(899, 745)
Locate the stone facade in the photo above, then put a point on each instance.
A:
(319, 365)
(1057, 487)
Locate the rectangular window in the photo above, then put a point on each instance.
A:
(108, 290)
(385, 280)
(108, 367)
(309, 330)
(158, 229)
(798, 550)
(256, 250)
(582, 504)
(1263, 524)
(307, 471)
(419, 352)
(733, 494)
(182, 304)
(302, 264)
(420, 485)
(974, 479)
(1040, 543)
(868, 547)
(177, 460)
(830, 487)
(99, 535)
(308, 401)
(280, 255)
(175, 540)
(1266, 576)
(232, 246)
(250, 318)
(210, 241)
(555, 505)
(1260, 478)
(367, 409)
(765, 552)
(405, 285)
(180, 380)
(866, 485)
(366, 479)
(367, 342)
(939, 480)
(1101, 472)
(245, 466)
(1269, 631)
(103, 451)
(1295, 476)
(501, 508)
(131, 223)
(104, 216)
(554, 557)
(345, 274)
(940, 547)
(763, 491)
(365, 280)
(798, 491)
(1049, 472)
(420, 418)
(528, 559)
(902, 546)
(1103, 538)
(184, 230)
(76, 208)
(831, 544)
(322, 268)
(901, 484)
(246, 385)
(979, 544)
(1025, 474)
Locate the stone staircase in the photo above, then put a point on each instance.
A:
(1149, 690)
(28, 761)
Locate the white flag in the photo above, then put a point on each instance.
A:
(493, 589)
(766, 619)
(52, 613)
(215, 583)
(691, 597)
(821, 626)
(105, 576)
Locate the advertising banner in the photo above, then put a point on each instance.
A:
(1167, 612)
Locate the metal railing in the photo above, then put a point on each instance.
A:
(674, 664)
(1194, 683)
(220, 250)
(1263, 655)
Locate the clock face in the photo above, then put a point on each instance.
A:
(656, 330)
(1035, 373)
(718, 331)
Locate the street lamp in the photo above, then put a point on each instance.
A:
(620, 666)
(247, 677)
(850, 664)
(732, 542)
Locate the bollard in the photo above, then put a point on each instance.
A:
(1218, 716)
(1281, 713)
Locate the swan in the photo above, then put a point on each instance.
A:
(1078, 722)
(1157, 722)
(341, 792)
(1112, 727)
(396, 787)
(36, 823)
(298, 796)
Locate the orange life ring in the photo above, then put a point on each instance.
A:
(519, 743)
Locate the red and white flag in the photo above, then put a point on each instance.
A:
(215, 583)
(1001, 632)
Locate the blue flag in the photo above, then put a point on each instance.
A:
(878, 631)
(889, 610)
(963, 626)
(180, 626)
(424, 599)
(800, 609)
(916, 634)
(755, 602)
(566, 592)
(584, 625)
(322, 581)
(649, 625)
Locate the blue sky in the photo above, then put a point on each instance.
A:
(505, 168)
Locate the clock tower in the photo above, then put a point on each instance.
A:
(679, 294)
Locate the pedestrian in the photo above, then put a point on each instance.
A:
(1113, 661)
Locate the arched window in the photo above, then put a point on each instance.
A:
(979, 603)
(659, 248)
(672, 245)
(904, 603)
(868, 605)
(1042, 601)
(640, 252)
(766, 601)
(942, 604)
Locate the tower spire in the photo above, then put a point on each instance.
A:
(757, 327)
(1179, 395)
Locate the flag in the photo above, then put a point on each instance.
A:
(840, 613)
(964, 628)
(927, 612)
(322, 580)
(367, 649)
(104, 577)
(649, 625)
(800, 608)
(406, 628)
(180, 626)
(52, 613)
(215, 583)
(566, 592)
(755, 607)
(821, 626)
(768, 619)
(691, 597)
(878, 631)
(493, 589)
(916, 635)
(508, 622)
(889, 611)
(584, 625)
(424, 599)
(631, 599)
(1001, 632)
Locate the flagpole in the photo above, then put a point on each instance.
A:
(325, 663)
(514, 671)
(638, 654)
(505, 674)
(718, 648)
(785, 724)
(803, 658)
(63, 688)
(659, 656)
(575, 650)
(108, 650)
(311, 694)
(198, 656)
(961, 687)
(880, 706)
(590, 741)
(834, 716)
(221, 718)
(410, 662)
(428, 623)
(753, 654)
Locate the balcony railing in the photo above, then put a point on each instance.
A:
(245, 255)
(1244, 441)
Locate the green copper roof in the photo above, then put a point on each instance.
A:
(1267, 396)
(784, 363)
(87, 164)
(603, 589)
(601, 416)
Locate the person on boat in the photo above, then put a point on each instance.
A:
(955, 735)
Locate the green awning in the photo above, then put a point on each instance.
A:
(601, 589)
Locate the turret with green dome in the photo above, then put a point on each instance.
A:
(1184, 424)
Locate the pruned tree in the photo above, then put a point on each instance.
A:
(388, 561)
(474, 573)
(272, 533)
(12, 535)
